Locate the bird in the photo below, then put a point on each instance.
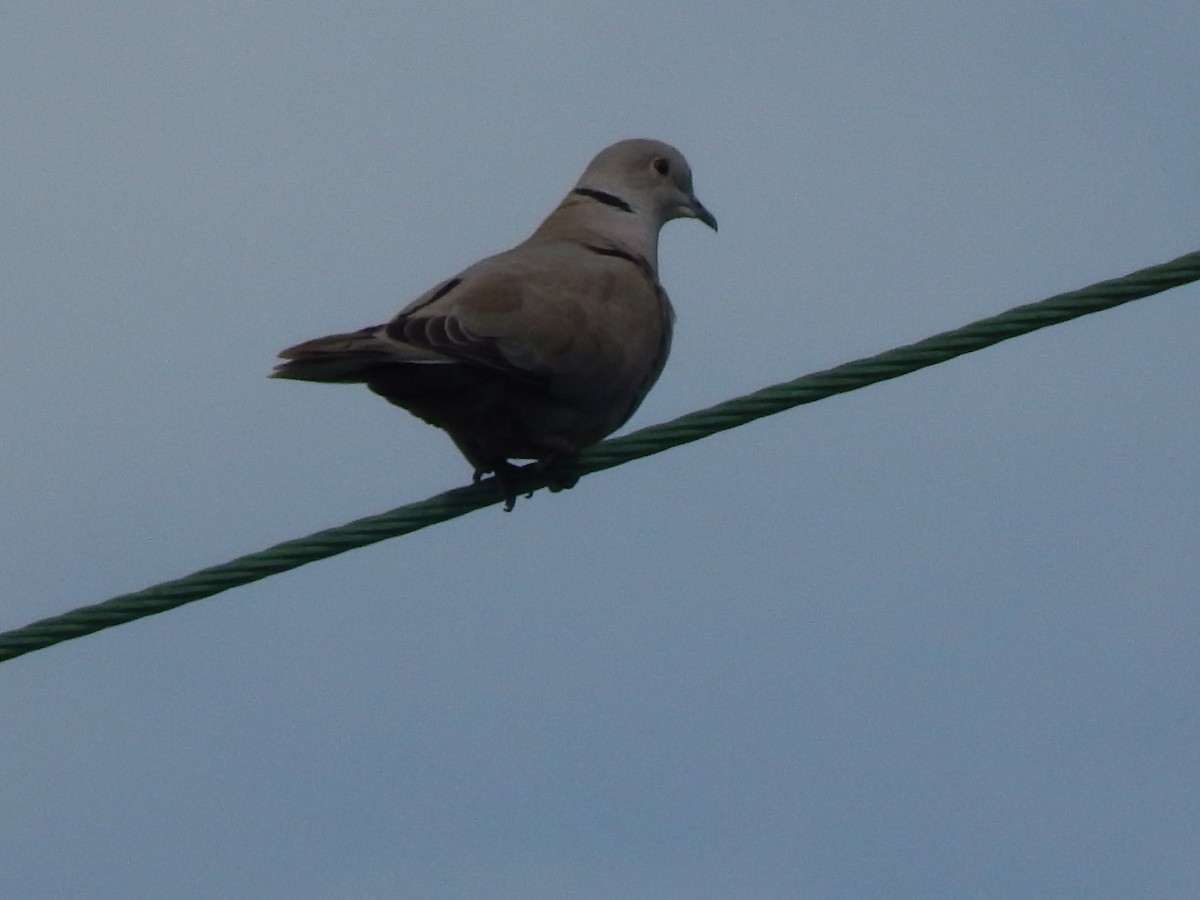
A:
(542, 350)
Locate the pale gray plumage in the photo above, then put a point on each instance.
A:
(548, 347)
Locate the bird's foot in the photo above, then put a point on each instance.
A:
(505, 474)
(556, 481)
(508, 478)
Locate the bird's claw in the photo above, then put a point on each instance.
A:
(555, 481)
(506, 475)
(503, 473)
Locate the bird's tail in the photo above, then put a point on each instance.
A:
(337, 358)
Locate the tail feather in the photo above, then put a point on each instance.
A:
(338, 358)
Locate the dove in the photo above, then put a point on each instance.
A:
(544, 349)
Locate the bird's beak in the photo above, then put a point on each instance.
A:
(697, 210)
(702, 214)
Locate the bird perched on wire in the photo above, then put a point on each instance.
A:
(544, 349)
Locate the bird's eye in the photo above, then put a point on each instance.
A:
(661, 166)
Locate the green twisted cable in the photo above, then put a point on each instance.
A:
(730, 414)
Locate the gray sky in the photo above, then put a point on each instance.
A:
(934, 639)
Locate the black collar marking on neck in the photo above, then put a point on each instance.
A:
(605, 198)
(626, 255)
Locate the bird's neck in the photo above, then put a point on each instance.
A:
(592, 215)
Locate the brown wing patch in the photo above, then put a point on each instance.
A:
(435, 295)
(503, 298)
(472, 331)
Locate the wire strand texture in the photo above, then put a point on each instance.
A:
(654, 439)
